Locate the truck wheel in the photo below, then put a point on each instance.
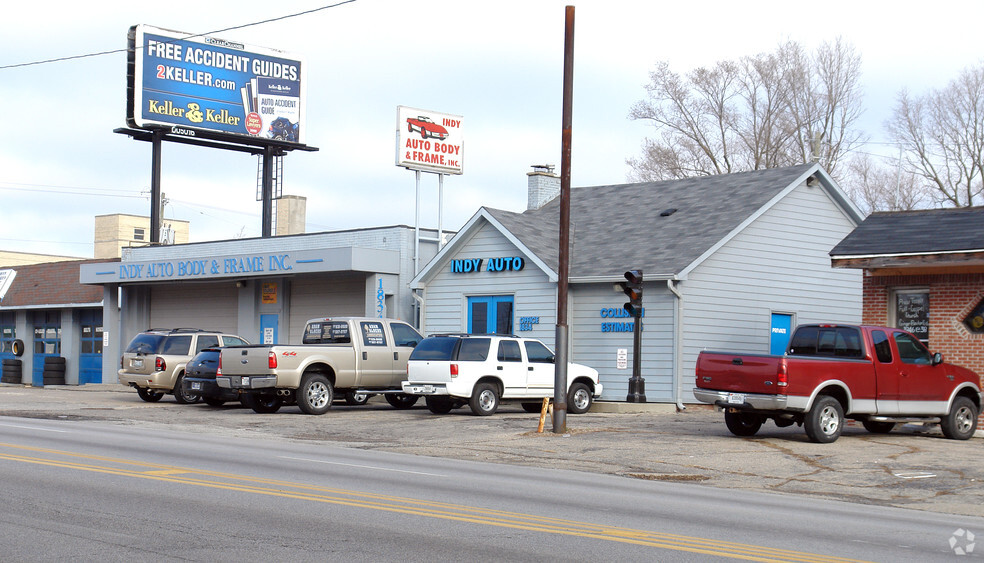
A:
(876, 427)
(315, 394)
(356, 399)
(533, 407)
(213, 402)
(149, 395)
(401, 400)
(263, 404)
(825, 420)
(484, 400)
(961, 421)
(183, 396)
(439, 405)
(578, 399)
(742, 423)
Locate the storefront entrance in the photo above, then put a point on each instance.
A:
(490, 314)
(91, 346)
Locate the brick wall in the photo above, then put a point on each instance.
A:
(951, 298)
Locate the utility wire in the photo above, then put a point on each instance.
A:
(114, 51)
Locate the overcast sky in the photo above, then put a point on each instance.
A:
(499, 65)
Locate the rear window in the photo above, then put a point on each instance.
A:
(839, 342)
(329, 332)
(145, 344)
(437, 348)
(474, 349)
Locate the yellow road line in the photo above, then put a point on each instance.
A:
(446, 511)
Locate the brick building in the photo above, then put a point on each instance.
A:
(924, 272)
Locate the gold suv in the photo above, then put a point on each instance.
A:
(154, 361)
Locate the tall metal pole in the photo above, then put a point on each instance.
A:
(155, 186)
(561, 342)
(267, 186)
(416, 229)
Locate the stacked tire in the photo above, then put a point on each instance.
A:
(12, 369)
(54, 370)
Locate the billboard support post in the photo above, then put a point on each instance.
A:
(267, 192)
(155, 187)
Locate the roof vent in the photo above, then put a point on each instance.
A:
(668, 212)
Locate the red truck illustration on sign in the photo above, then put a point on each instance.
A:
(426, 127)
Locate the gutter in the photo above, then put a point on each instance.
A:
(677, 343)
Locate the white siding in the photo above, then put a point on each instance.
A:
(447, 294)
(592, 347)
(325, 295)
(779, 263)
(208, 306)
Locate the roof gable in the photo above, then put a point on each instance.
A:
(53, 283)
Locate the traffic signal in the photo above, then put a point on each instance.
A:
(633, 288)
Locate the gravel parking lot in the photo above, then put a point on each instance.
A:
(913, 467)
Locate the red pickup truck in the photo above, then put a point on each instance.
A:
(877, 375)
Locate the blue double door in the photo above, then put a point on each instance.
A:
(490, 314)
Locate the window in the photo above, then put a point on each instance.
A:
(474, 349)
(841, 342)
(206, 341)
(883, 350)
(975, 320)
(911, 351)
(327, 333)
(232, 341)
(509, 351)
(436, 348)
(177, 346)
(912, 312)
(405, 335)
(139, 233)
(373, 335)
(537, 353)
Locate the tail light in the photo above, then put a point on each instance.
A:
(121, 362)
(454, 370)
(160, 364)
(218, 370)
(272, 360)
(781, 378)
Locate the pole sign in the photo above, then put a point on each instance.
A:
(429, 141)
(185, 81)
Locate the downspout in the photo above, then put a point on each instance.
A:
(420, 308)
(677, 344)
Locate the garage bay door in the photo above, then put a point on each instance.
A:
(208, 306)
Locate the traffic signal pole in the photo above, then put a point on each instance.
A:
(633, 288)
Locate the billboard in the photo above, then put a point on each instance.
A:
(429, 141)
(201, 82)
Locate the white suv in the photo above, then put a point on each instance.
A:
(482, 370)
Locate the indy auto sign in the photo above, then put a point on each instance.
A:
(429, 141)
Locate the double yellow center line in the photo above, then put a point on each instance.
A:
(402, 505)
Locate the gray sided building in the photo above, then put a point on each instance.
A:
(730, 262)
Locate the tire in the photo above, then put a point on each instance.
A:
(17, 347)
(532, 407)
(356, 399)
(263, 404)
(315, 394)
(484, 399)
(213, 402)
(401, 400)
(12, 362)
(961, 422)
(825, 420)
(579, 399)
(54, 361)
(150, 395)
(183, 396)
(742, 424)
(439, 405)
(876, 427)
(53, 380)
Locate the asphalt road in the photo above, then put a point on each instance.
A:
(90, 490)
(913, 467)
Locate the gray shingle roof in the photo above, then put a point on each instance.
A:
(619, 227)
(908, 232)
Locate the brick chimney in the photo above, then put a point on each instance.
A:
(544, 185)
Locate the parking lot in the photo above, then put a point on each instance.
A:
(913, 467)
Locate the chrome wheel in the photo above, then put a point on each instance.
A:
(318, 395)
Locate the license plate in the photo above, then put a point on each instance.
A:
(736, 398)
(422, 389)
(136, 362)
(196, 385)
(244, 382)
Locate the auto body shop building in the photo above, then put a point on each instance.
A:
(730, 262)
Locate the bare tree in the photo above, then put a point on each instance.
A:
(879, 187)
(761, 111)
(942, 138)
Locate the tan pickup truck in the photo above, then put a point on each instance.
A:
(338, 355)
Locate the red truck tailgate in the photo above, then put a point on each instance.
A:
(744, 373)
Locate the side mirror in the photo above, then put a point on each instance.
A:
(552, 358)
(937, 359)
